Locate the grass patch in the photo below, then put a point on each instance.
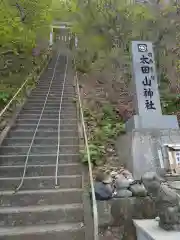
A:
(10, 83)
(103, 128)
(171, 103)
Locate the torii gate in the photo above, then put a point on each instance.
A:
(58, 25)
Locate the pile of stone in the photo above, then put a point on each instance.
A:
(117, 184)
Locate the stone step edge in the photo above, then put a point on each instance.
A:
(54, 138)
(50, 125)
(40, 155)
(39, 177)
(41, 130)
(68, 227)
(40, 191)
(12, 145)
(44, 208)
(42, 165)
(46, 119)
(37, 146)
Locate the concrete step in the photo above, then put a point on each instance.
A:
(54, 90)
(40, 170)
(45, 111)
(36, 159)
(52, 96)
(40, 149)
(45, 85)
(50, 115)
(40, 210)
(57, 88)
(24, 141)
(55, 83)
(41, 197)
(42, 182)
(43, 127)
(64, 106)
(42, 134)
(52, 93)
(52, 101)
(47, 121)
(47, 80)
(39, 215)
(45, 232)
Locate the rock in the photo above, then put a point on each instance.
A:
(114, 193)
(130, 181)
(114, 174)
(103, 191)
(108, 233)
(121, 182)
(110, 150)
(127, 174)
(138, 190)
(107, 179)
(157, 219)
(118, 232)
(104, 177)
(123, 193)
(3, 124)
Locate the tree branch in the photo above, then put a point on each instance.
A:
(22, 14)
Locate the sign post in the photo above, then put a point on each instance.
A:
(141, 148)
(145, 79)
(146, 93)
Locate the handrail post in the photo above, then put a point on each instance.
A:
(94, 203)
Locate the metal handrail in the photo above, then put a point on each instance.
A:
(36, 129)
(12, 99)
(94, 203)
(59, 123)
(15, 95)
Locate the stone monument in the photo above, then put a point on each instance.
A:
(146, 94)
(141, 148)
(148, 229)
(167, 201)
(167, 204)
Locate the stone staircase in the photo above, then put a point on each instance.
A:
(40, 210)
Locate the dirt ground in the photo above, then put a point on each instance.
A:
(100, 88)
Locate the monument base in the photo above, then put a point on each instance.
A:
(150, 230)
(158, 122)
(142, 150)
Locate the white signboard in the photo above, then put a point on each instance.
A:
(145, 79)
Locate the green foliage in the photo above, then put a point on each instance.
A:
(103, 128)
(10, 86)
(106, 28)
(17, 35)
(99, 25)
(4, 97)
(96, 154)
(22, 28)
(171, 104)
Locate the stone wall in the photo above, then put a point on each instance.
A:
(138, 151)
(121, 212)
